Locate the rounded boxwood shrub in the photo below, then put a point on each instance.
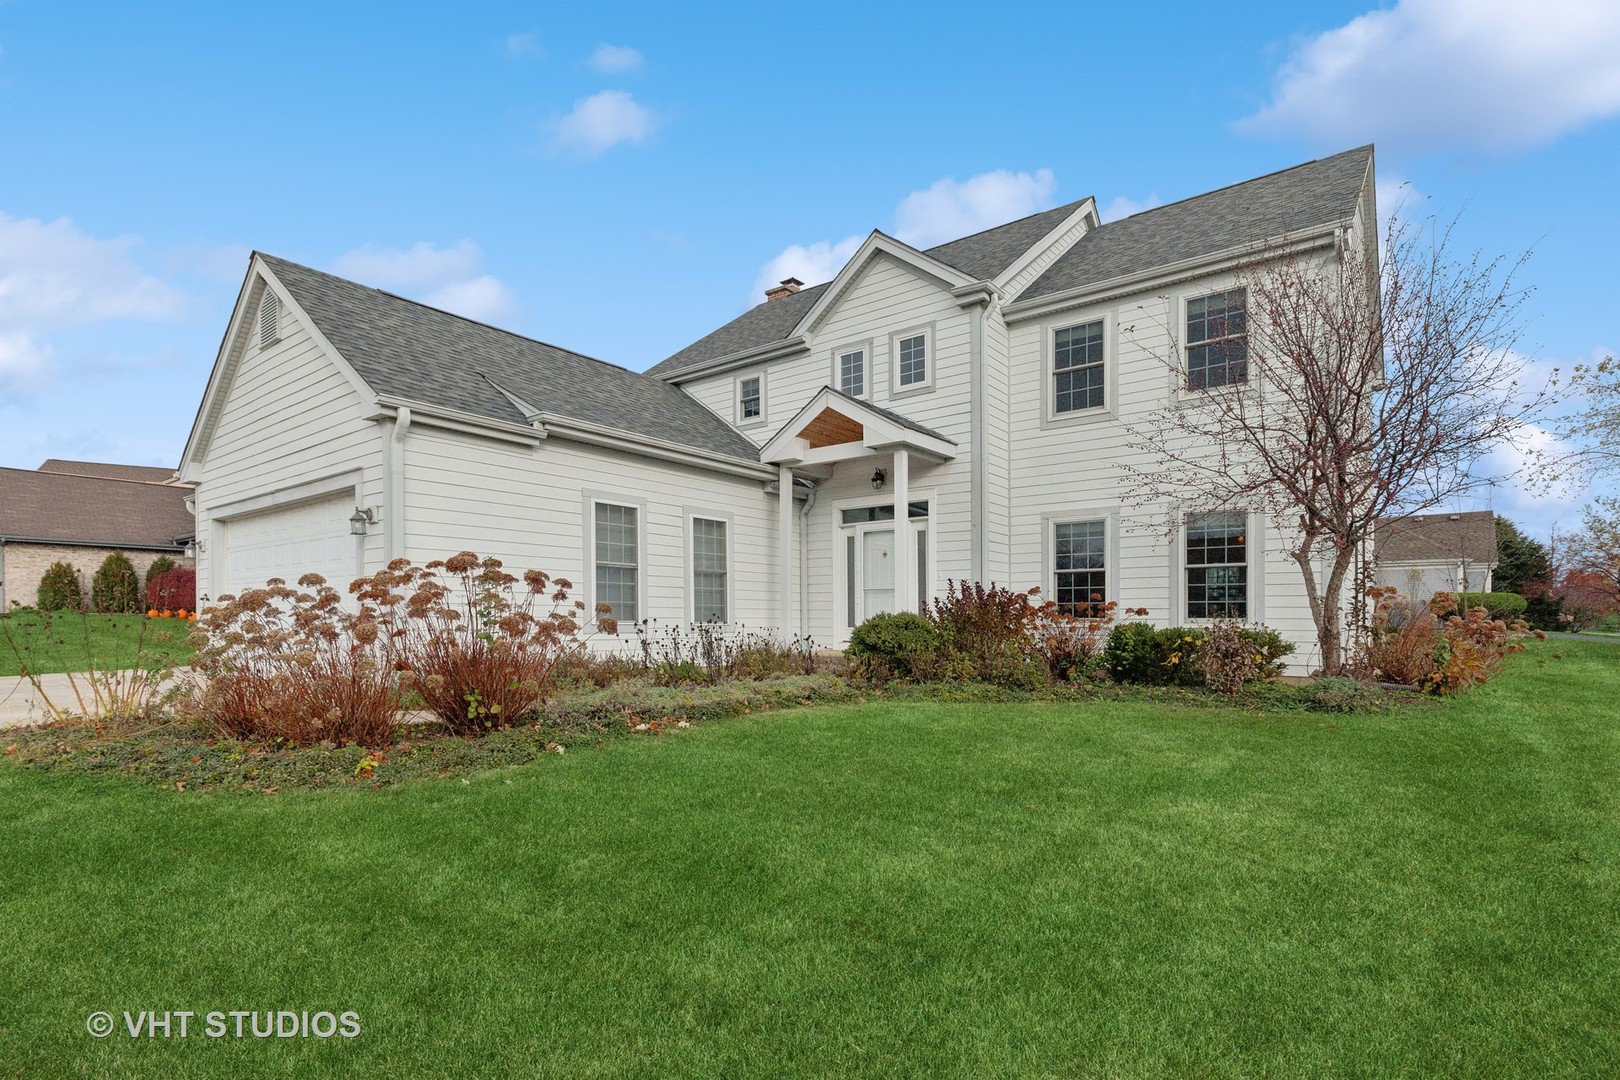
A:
(893, 641)
(1498, 605)
(1139, 653)
(61, 589)
(116, 588)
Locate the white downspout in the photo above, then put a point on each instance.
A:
(784, 547)
(394, 512)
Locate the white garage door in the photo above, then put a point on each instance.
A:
(311, 537)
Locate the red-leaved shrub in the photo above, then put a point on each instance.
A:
(173, 590)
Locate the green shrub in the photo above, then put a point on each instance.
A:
(61, 589)
(1335, 694)
(160, 565)
(116, 588)
(1174, 655)
(1498, 605)
(891, 643)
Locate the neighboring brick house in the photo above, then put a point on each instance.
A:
(79, 511)
(1429, 553)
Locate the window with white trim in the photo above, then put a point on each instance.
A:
(617, 540)
(1077, 367)
(1218, 340)
(750, 398)
(1217, 565)
(1079, 569)
(912, 359)
(852, 372)
(709, 570)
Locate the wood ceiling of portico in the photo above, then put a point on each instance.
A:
(831, 428)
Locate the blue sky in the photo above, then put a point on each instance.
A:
(622, 179)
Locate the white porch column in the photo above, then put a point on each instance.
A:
(905, 572)
(784, 549)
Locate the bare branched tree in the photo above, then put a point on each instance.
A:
(1597, 425)
(1357, 384)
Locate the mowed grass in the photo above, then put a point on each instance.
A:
(69, 641)
(1118, 889)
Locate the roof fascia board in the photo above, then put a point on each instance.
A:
(878, 244)
(455, 420)
(1170, 274)
(775, 350)
(629, 442)
(1085, 213)
(201, 425)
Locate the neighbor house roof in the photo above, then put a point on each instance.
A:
(70, 509)
(981, 256)
(1469, 536)
(145, 473)
(1317, 193)
(408, 350)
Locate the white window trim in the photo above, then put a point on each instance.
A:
(1180, 392)
(1109, 516)
(930, 359)
(692, 516)
(838, 354)
(764, 399)
(591, 500)
(1109, 410)
(1254, 558)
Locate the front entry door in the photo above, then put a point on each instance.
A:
(877, 571)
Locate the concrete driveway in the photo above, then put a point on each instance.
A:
(19, 704)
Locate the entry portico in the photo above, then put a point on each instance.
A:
(833, 428)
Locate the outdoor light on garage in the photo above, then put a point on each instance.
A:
(361, 521)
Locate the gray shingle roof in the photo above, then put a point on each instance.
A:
(409, 350)
(889, 414)
(70, 509)
(981, 256)
(1438, 538)
(149, 473)
(1292, 200)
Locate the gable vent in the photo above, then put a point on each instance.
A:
(269, 319)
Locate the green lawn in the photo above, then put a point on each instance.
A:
(60, 641)
(1117, 889)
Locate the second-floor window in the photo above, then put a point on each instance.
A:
(750, 401)
(1217, 340)
(913, 360)
(852, 372)
(1077, 362)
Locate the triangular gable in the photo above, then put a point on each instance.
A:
(833, 427)
(239, 333)
(1068, 232)
(946, 276)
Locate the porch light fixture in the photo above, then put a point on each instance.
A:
(878, 479)
(361, 521)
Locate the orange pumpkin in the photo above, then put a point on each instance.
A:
(152, 613)
(167, 614)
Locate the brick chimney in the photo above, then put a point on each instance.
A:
(788, 287)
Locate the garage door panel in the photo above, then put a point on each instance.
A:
(290, 542)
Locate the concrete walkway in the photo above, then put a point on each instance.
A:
(20, 705)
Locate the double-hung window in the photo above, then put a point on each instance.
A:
(1080, 571)
(912, 359)
(852, 372)
(1217, 340)
(1218, 565)
(1077, 366)
(709, 570)
(618, 560)
(750, 399)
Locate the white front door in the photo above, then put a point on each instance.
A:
(876, 570)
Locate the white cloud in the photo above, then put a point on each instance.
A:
(616, 59)
(600, 122)
(443, 277)
(523, 46)
(949, 209)
(1466, 74)
(946, 210)
(1122, 206)
(812, 265)
(1531, 490)
(55, 277)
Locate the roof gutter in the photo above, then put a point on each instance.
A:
(629, 442)
(776, 350)
(111, 545)
(1318, 237)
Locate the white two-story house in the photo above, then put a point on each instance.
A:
(839, 450)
